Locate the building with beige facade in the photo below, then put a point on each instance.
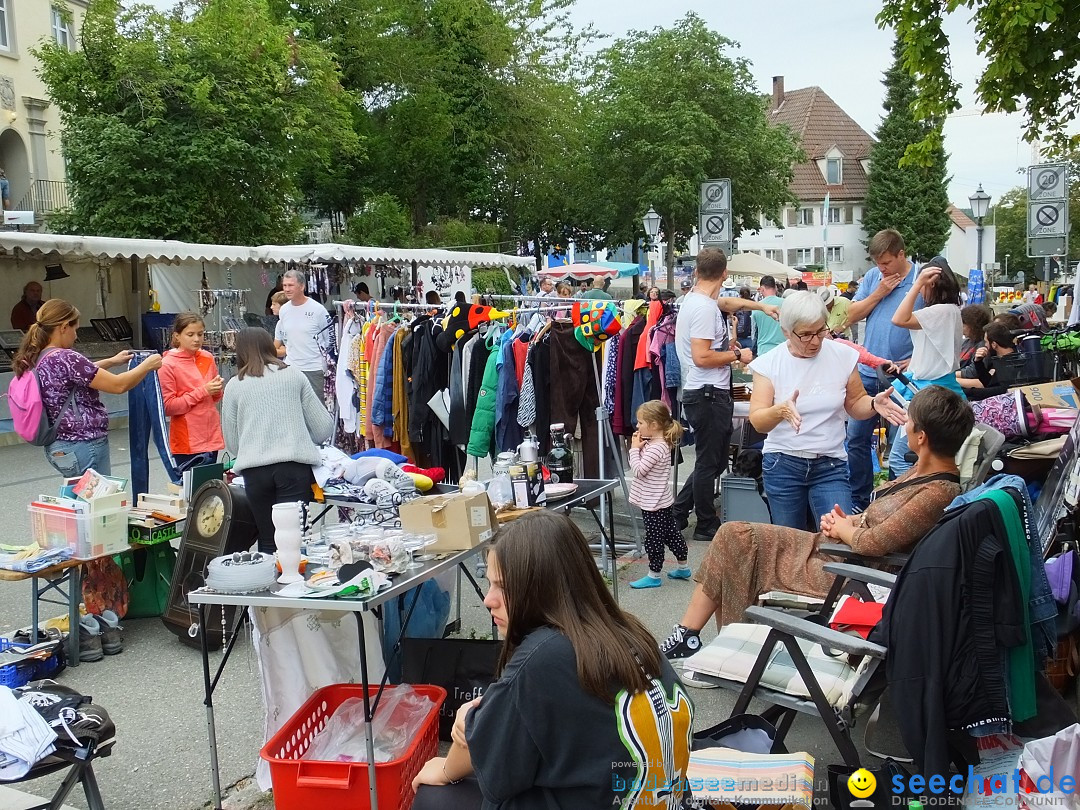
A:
(30, 151)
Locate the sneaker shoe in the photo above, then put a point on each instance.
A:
(682, 643)
(680, 573)
(647, 581)
(392, 474)
(22, 636)
(383, 493)
(112, 643)
(689, 679)
(90, 640)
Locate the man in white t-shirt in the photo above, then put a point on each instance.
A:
(702, 341)
(303, 330)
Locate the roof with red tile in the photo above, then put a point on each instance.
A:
(820, 125)
(959, 218)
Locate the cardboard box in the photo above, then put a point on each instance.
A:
(460, 521)
(1060, 394)
(527, 482)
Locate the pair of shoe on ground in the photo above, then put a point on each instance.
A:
(652, 580)
(99, 636)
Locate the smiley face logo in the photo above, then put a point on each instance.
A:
(861, 783)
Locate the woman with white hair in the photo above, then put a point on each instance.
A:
(802, 391)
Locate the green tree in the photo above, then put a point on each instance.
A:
(911, 199)
(383, 222)
(670, 108)
(468, 106)
(1031, 48)
(195, 124)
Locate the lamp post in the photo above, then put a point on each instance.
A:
(980, 207)
(651, 221)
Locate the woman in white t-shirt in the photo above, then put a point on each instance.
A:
(937, 335)
(802, 391)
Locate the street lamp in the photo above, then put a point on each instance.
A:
(980, 207)
(651, 221)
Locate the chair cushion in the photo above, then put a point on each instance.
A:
(731, 655)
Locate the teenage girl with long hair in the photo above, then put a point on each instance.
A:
(273, 424)
(650, 460)
(584, 712)
(82, 438)
(190, 390)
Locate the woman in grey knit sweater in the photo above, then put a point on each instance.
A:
(273, 425)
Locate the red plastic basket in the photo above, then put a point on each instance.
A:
(301, 784)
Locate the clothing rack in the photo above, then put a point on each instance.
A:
(570, 300)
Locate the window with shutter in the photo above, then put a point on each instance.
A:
(792, 215)
(819, 256)
(792, 257)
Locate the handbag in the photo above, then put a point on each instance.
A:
(463, 667)
(104, 588)
(883, 797)
(148, 573)
(749, 733)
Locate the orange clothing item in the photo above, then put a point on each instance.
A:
(194, 424)
(641, 357)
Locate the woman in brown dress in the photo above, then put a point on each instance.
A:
(747, 559)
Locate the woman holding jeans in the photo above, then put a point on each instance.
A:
(803, 391)
(70, 386)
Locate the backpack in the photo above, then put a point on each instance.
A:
(28, 412)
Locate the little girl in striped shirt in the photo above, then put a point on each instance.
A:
(650, 459)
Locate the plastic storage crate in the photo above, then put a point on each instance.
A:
(21, 673)
(302, 784)
(87, 535)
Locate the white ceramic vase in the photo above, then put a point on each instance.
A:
(287, 536)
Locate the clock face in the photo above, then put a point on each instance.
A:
(210, 516)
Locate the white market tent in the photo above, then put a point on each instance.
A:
(169, 251)
(121, 270)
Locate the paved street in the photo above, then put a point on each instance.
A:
(154, 689)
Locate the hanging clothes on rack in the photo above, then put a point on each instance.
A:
(574, 395)
(508, 433)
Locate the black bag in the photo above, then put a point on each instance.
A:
(748, 733)
(882, 798)
(463, 667)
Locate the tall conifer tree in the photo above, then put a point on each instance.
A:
(911, 199)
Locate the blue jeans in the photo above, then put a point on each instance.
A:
(146, 416)
(860, 433)
(72, 459)
(795, 484)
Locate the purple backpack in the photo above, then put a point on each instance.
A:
(28, 412)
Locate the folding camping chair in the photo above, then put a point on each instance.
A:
(796, 665)
(77, 760)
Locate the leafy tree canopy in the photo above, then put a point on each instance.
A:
(911, 199)
(1032, 48)
(668, 109)
(196, 124)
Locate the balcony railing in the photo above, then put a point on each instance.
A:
(45, 197)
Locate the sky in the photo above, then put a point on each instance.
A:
(837, 46)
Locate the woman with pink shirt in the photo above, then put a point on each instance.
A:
(190, 390)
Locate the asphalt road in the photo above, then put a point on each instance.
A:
(153, 690)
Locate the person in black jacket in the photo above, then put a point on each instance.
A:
(956, 606)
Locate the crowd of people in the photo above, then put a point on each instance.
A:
(582, 687)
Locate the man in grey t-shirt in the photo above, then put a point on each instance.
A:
(302, 335)
(703, 343)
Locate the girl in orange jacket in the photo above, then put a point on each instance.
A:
(190, 389)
